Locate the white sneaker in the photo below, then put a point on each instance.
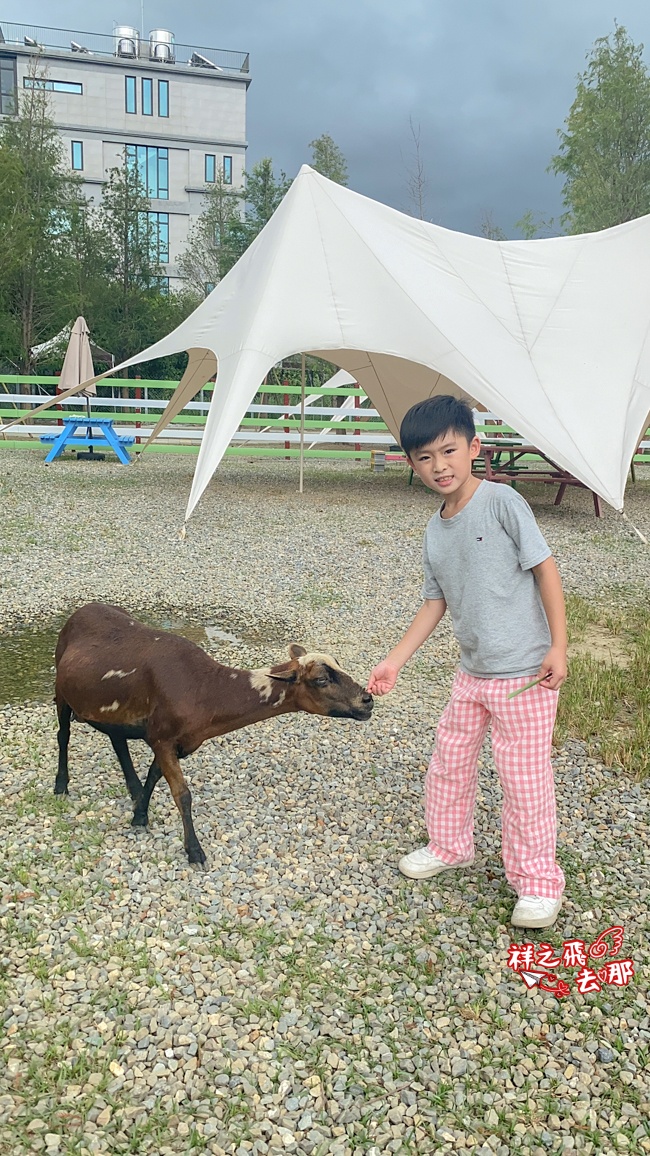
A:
(535, 911)
(422, 864)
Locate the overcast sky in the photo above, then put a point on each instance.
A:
(489, 83)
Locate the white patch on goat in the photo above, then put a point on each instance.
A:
(326, 659)
(114, 706)
(261, 682)
(118, 673)
(281, 699)
(234, 674)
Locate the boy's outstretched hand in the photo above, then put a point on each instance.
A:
(382, 678)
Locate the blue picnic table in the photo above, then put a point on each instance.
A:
(99, 431)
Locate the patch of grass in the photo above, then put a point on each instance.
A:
(112, 999)
(579, 615)
(18, 932)
(34, 801)
(236, 1109)
(264, 1009)
(604, 705)
(71, 898)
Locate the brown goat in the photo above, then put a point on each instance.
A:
(130, 681)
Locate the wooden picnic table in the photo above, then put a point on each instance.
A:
(503, 462)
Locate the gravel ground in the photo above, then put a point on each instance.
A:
(300, 995)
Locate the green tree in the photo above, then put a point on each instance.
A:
(61, 257)
(130, 235)
(38, 200)
(118, 286)
(328, 160)
(604, 153)
(490, 228)
(217, 239)
(264, 191)
(221, 234)
(416, 178)
(535, 225)
(124, 303)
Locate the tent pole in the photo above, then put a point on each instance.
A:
(302, 421)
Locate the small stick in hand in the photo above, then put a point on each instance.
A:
(529, 685)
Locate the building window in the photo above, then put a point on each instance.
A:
(156, 227)
(8, 85)
(209, 286)
(210, 169)
(159, 237)
(53, 85)
(77, 155)
(130, 96)
(147, 96)
(163, 98)
(153, 167)
(227, 170)
(163, 285)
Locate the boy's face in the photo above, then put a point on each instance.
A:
(446, 464)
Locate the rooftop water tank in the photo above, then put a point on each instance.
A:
(126, 41)
(161, 46)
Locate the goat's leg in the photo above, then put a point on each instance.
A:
(171, 769)
(63, 738)
(121, 748)
(141, 813)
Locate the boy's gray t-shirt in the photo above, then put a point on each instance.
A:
(480, 562)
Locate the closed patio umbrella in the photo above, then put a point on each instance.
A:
(78, 365)
(78, 361)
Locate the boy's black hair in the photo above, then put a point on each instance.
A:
(430, 419)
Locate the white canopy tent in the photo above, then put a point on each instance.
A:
(552, 335)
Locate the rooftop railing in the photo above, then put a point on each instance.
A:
(105, 45)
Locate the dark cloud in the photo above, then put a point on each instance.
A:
(488, 83)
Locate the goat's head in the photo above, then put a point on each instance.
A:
(320, 686)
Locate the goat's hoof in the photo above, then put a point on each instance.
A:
(61, 791)
(197, 858)
(140, 821)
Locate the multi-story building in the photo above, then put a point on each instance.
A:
(179, 110)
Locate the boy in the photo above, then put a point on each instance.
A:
(486, 561)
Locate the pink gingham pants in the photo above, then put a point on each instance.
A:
(522, 731)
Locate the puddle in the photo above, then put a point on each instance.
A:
(27, 664)
(27, 654)
(204, 635)
(214, 634)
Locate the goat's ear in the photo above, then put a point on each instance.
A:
(296, 651)
(284, 673)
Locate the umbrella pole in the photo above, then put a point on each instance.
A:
(302, 421)
(89, 430)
